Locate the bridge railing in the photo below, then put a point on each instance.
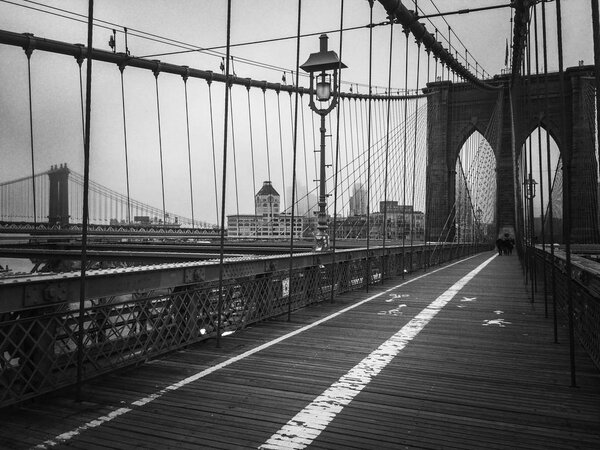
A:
(585, 294)
(133, 314)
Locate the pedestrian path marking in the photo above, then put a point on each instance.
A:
(308, 424)
(66, 436)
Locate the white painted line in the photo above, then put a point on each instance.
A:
(61, 438)
(304, 428)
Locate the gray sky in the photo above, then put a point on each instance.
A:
(55, 83)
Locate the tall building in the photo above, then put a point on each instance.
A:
(267, 201)
(268, 221)
(358, 201)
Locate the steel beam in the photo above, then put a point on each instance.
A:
(79, 51)
(36, 290)
(410, 21)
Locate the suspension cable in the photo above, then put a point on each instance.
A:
(121, 69)
(214, 159)
(224, 178)
(189, 149)
(305, 154)
(162, 178)
(79, 60)
(86, 179)
(566, 195)
(406, 32)
(337, 156)
(412, 216)
(539, 142)
(267, 141)
(294, 158)
(368, 277)
(387, 150)
(233, 152)
(28, 52)
(281, 148)
(251, 140)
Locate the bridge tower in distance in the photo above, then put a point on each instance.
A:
(58, 208)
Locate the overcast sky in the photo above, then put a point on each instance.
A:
(55, 83)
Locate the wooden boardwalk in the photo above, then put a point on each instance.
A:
(395, 371)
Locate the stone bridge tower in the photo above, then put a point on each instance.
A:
(58, 207)
(456, 111)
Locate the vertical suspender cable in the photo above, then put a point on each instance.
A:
(337, 157)
(214, 159)
(426, 231)
(251, 140)
(566, 193)
(291, 104)
(82, 102)
(387, 152)
(162, 176)
(295, 151)
(189, 148)
(281, 149)
(414, 168)
(224, 176)
(436, 58)
(86, 184)
(28, 52)
(540, 160)
(359, 144)
(368, 277)
(354, 187)
(121, 69)
(267, 134)
(74, 197)
(233, 152)
(308, 190)
(449, 49)
(528, 174)
(268, 156)
(407, 33)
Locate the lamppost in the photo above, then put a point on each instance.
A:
(325, 63)
(529, 185)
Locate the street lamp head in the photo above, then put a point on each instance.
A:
(322, 60)
(529, 185)
(319, 64)
(323, 91)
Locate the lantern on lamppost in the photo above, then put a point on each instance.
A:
(529, 185)
(323, 65)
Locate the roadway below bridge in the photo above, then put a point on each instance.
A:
(456, 357)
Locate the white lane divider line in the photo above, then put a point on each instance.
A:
(61, 438)
(304, 428)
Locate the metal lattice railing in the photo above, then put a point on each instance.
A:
(39, 344)
(585, 295)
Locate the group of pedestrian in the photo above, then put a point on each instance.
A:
(505, 245)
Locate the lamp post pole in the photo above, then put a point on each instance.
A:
(530, 195)
(320, 63)
(322, 235)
